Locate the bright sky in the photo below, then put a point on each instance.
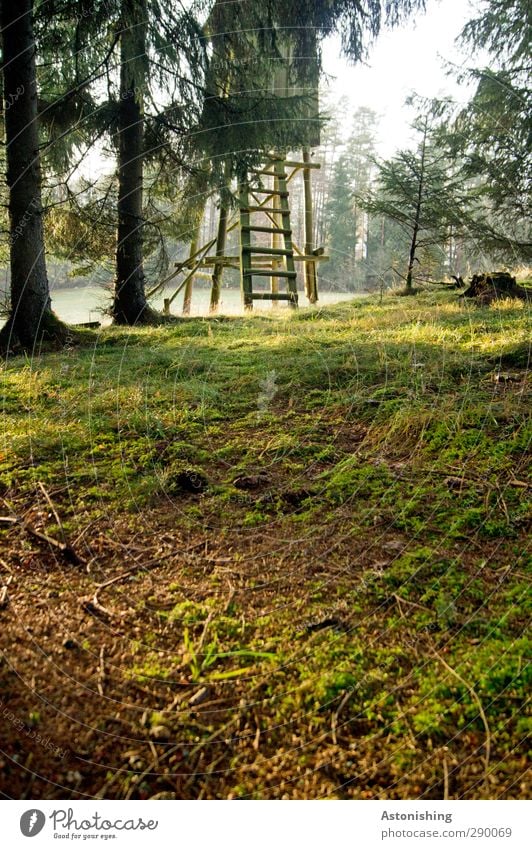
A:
(410, 58)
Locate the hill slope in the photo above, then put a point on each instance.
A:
(289, 561)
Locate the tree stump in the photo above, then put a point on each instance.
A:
(486, 288)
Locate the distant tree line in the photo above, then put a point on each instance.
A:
(460, 196)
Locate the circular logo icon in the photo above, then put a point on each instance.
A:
(32, 822)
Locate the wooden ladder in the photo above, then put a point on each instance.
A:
(274, 262)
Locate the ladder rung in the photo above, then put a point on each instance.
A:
(263, 209)
(272, 192)
(264, 171)
(288, 163)
(273, 296)
(310, 258)
(257, 249)
(258, 229)
(270, 272)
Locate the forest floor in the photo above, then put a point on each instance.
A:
(289, 557)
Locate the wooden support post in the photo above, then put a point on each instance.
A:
(219, 266)
(276, 244)
(245, 243)
(290, 272)
(187, 297)
(311, 272)
(221, 239)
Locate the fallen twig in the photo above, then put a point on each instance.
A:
(230, 598)
(400, 600)
(3, 593)
(64, 548)
(515, 482)
(54, 511)
(476, 698)
(96, 609)
(204, 631)
(129, 572)
(101, 671)
(94, 606)
(445, 778)
(336, 714)
(211, 738)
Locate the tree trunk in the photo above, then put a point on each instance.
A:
(417, 216)
(411, 260)
(130, 305)
(31, 317)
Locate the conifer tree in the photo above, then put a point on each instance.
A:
(417, 189)
(491, 135)
(31, 317)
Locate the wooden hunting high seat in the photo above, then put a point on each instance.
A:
(251, 118)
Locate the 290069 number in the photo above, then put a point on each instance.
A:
(495, 831)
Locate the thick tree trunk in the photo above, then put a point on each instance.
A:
(130, 305)
(31, 317)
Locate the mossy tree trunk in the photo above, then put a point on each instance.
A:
(31, 318)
